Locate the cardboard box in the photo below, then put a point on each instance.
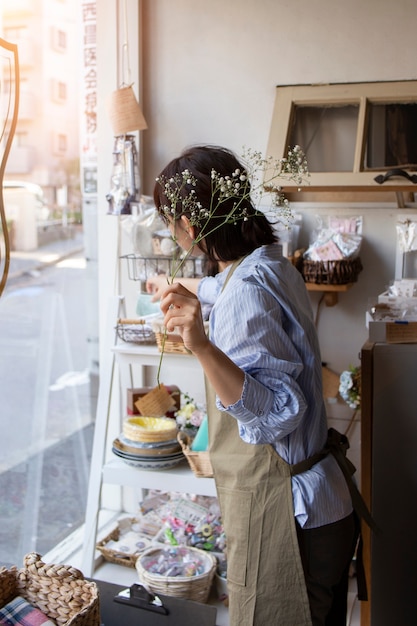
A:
(393, 332)
(133, 394)
(397, 302)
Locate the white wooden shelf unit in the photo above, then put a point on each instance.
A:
(106, 469)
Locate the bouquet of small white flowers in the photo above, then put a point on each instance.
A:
(350, 387)
(260, 176)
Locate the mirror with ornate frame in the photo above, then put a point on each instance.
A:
(9, 105)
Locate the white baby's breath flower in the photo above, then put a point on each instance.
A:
(350, 387)
(263, 175)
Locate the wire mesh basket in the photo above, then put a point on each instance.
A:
(135, 331)
(141, 268)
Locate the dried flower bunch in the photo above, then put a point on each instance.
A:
(260, 176)
(350, 387)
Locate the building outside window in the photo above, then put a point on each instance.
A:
(48, 364)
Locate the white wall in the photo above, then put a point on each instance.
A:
(211, 68)
(209, 75)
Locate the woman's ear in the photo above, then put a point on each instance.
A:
(187, 226)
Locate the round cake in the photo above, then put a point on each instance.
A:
(150, 429)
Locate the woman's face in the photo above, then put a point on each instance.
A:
(183, 234)
(180, 234)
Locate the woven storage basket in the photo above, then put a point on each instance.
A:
(128, 560)
(331, 272)
(170, 343)
(59, 591)
(198, 461)
(195, 588)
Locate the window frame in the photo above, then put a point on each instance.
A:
(359, 94)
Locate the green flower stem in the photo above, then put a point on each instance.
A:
(170, 281)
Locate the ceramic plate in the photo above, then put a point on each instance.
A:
(158, 451)
(150, 464)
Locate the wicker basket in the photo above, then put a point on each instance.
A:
(331, 272)
(128, 560)
(198, 461)
(195, 588)
(59, 591)
(170, 343)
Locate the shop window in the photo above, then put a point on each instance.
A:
(48, 364)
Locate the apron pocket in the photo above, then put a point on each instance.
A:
(236, 513)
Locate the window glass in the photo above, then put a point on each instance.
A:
(48, 316)
(392, 136)
(327, 135)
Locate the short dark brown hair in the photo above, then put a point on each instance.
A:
(232, 240)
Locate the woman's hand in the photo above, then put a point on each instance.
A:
(182, 312)
(156, 285)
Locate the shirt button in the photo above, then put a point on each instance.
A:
(260, 412)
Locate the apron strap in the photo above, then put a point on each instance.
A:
(338, 445)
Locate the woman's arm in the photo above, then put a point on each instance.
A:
(260, 389)
(158, 283)
(183, 313)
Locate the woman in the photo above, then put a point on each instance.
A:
(290, 527)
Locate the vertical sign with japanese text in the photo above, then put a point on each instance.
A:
(89, 98)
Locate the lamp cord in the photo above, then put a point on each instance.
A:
(126, 71)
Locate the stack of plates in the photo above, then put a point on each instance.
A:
(149, 445)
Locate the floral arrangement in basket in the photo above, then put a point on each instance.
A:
(193, 436)
(190, 416)
(261, 176)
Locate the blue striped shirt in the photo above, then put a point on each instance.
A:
(263, 321)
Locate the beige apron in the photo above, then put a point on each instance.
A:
(264, 572)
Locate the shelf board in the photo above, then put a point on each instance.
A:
(112, 572)
(179, 478)
(150, 355)
(330, 291)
